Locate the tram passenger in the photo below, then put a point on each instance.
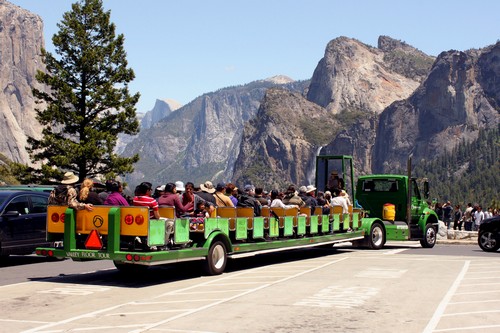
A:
(115, 198)
(232, 193)
(86, 194)
(247, 199)
(65, 194)
(291, 197)
(277, 202)
(221, 199)
(187, 198)
(259, 195)
(171, 198)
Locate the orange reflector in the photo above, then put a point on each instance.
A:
(94, 241)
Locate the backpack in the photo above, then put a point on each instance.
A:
(61, 194)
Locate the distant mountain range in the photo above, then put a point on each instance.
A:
(379, 104)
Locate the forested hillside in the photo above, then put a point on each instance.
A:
(470, 173)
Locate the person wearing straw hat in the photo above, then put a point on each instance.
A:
(65, 194)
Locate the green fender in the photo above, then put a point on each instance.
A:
(367, 222)
(428, 216)
(218, 235)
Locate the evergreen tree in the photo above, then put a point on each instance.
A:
(88, 103)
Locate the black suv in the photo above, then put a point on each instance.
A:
(23, 216)
(489, 234)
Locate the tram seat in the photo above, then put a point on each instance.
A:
(280, 213)
(306, 211)
(167, 212)
(295, 213)
(230, 213)
(246, 212)
(318, 210)
(265, 212)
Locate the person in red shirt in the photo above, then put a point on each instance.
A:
(143, 198)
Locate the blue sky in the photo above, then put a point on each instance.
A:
(184, 48)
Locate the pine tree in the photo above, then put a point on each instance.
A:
(88, 103)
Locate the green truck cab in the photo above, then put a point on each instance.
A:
(394, 206)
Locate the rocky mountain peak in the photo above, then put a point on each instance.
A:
(356, 76)
(21, 39)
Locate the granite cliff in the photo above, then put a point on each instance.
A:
(21, 39)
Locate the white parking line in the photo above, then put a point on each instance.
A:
(469, 328)
(446, 300)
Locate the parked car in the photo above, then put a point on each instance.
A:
(489, 234)
(32, 187)
(23, 216)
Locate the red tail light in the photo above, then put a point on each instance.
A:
(129, 219)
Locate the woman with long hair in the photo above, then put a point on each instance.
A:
(86, 194)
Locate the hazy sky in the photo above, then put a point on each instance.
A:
(181, 49)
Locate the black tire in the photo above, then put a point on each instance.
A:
(130, 269)
(430, 235)
(488, 241)
(216, 259)
(376, 238)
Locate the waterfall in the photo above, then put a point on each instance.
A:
(311, 173)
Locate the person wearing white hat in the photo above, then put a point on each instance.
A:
(66, 195)
(179, 186)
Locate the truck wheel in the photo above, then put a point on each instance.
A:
(488, 241)
(429, 237)
(216, 259)
(377, 237)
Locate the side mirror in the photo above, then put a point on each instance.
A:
(426, 190)
(11, 213)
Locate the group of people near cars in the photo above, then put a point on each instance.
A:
(470, 218)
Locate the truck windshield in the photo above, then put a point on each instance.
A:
(380, 185)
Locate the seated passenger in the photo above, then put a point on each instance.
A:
(143, 198)
(247, 199)
(115, 197)
(221, 199)
(86, 194)
(66, 195)
(171, 198)
(277, 202)
(291, 197)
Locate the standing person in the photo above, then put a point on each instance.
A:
(478, 217)
(115, 198)
(221, 199)
(335, 183)
(66, 195)
(468, 217)
(457, 218)
(87, 195)
(447, 214)
(438, 208)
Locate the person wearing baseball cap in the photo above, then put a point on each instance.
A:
(247, 199)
